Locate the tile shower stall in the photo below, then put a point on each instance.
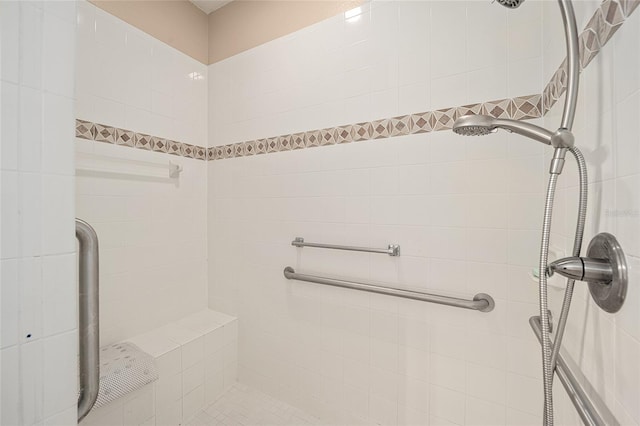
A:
(339, 133)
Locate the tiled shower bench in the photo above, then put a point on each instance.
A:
(197, 361)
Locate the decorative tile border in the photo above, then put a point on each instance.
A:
(607, 19)
(85, 130)
(123, 137)
(520, 108)
(524, 107)
(604, 23)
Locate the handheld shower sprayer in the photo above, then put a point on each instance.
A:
(480, 125)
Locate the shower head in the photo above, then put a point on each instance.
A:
(480, 125)
(475, 125)
(511, 4)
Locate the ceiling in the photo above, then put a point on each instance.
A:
(208, 6)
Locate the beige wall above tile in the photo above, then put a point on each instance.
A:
(179, 23)
(243, 24)
(234, 28)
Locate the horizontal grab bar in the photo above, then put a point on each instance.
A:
(391, 250)
(590, 407)
(481, 302)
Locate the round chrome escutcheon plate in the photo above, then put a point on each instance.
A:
(609, 296)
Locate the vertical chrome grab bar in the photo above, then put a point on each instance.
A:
(88, 321)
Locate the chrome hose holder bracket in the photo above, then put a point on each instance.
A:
(562, 138)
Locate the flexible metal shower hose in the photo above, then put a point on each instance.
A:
(577, 246)
(549, 351)
(547, 371)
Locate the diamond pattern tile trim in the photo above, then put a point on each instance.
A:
(123, 137)
(85, 130)
(604, 23)
(524, 107)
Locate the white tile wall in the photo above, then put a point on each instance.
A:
(151, 231)
(395, 360)
(152, 241)
(344, 356)
(606, 346)
(130, 80)
(393, 58)
(38, 341)
(466, 212)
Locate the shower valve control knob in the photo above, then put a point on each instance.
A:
(582, 269)
(604, 269)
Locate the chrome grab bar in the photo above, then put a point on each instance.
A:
(481, 302)
(88, 321)
(391, 250)
(590, 407)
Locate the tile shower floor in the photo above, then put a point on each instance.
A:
(244, 406)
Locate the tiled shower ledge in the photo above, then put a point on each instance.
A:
(606, 20)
